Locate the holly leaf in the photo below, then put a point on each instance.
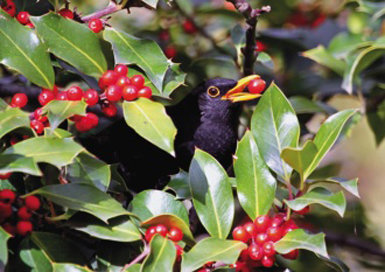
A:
(162, 255)
(211, 194)
(71, 41)
(58, 111)
(11, 119)
(150, 120)
(18, 163)
(255, 184)
(21, 50)
(4, 237)
(321, 55)
(349, 185)
(299, 239)
(211, 250)
(179, 183)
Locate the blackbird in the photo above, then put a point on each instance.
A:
(207, 118)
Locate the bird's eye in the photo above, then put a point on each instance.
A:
(213, 91)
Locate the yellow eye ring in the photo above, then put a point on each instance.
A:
(213, 91)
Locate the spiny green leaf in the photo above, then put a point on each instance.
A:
(162, 255)
(4, 236)
(58, 111)
(12, 118)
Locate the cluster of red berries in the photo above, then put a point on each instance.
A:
(256, 86)
(174, 234)
(23, 17)
(16, 213)
(260, 236)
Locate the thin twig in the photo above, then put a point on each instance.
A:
(109, 9)
(140, 257)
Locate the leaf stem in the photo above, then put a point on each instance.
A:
(139, 258)
(109, 9)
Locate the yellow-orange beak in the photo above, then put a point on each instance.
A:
(236, 94)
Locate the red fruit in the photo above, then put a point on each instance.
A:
(274, 233)
(250, 229)
(24, 214)
(150, 232)
(164, 35)
(161, 230)
(54, 89)
(304, 211)
(5, 210)
(179, 250)
(113, 93)
(37, 126)
(123, 81)
(91, 97)
(66, 13)
(170, 51)
(145, 92)
(38, 115)
(19, 100)
(292, 255)
(189, 27)
(121, 70)
(137, 81)
(255, 252)
(45, 97)
(29, 25)
(109, 110)
(278, 220)
(5, 175)
(268, 249)
(238, 266)
(61, 96)
(23, 227)
(261, 238)
(244, 256)
(256, 86)
(92, 118)
(74, 93)
(23, 17)
(130, 92)
(260, 46)
(262, 223)
(268, 261)
(7, 195)
(9, 228)
(32, 203)
(108, 78)
(83, 125)
(175, 234)
(240, 234)
(10, 8)
(96, 25)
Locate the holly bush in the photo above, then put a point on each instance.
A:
(67, 78)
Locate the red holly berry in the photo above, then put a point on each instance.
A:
(137, 81)
(96, 25)
(175, 234)
(130, 92)
(37, 126)
(7, 195)
(54, 89)
(92, 118)
(19, 100)
(121, 70)
(9, 228)
(10, 8)
(292, 255)
(256, 86)
(32, 203)
(91, 97)
(23, 17)
(38, 115)
(45, 97)
(5, 175)
(87, 122)
(239, 266)
(278, 220)
(145, 92)
(164, 35)
(255, 252)
(24, 214)
(240, 234)
(261, 238)
(29, 25)
(179, 250)
(189, 27)
(274, 233)
(113, 93)
(74, 93)
(24, 227)
(260, 46)
(66, 13)
(161, 230)
(108, 78)
(170, 51)
(150, 232)
(268, 261)
(262, 223)
(268, 248)
(244, 256)
(123, 81)
(5, 210)
(250, 229)
(109, 110)
(304, 211)
(61, 96)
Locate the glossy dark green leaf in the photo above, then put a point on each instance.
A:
(335, 202)
(212, 194)
(73, 42)
(3, 105)
(12, 118)
(70, 267)
(321, 55)
(83, 197)
(120, 230)
(255, 184)
(151, 203)
(58, 152)
(18, 163)
(179, 183)
(21, 50)
(144, 53)
(211, 250)
(34, 257)
(57, 133)
(304, 105)
(4, 236)
(88, 169)
(349, 185)
(58, 111)
(162, 255)
(299, 239)
(174, 78)
(275, 126)
(150, 120)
